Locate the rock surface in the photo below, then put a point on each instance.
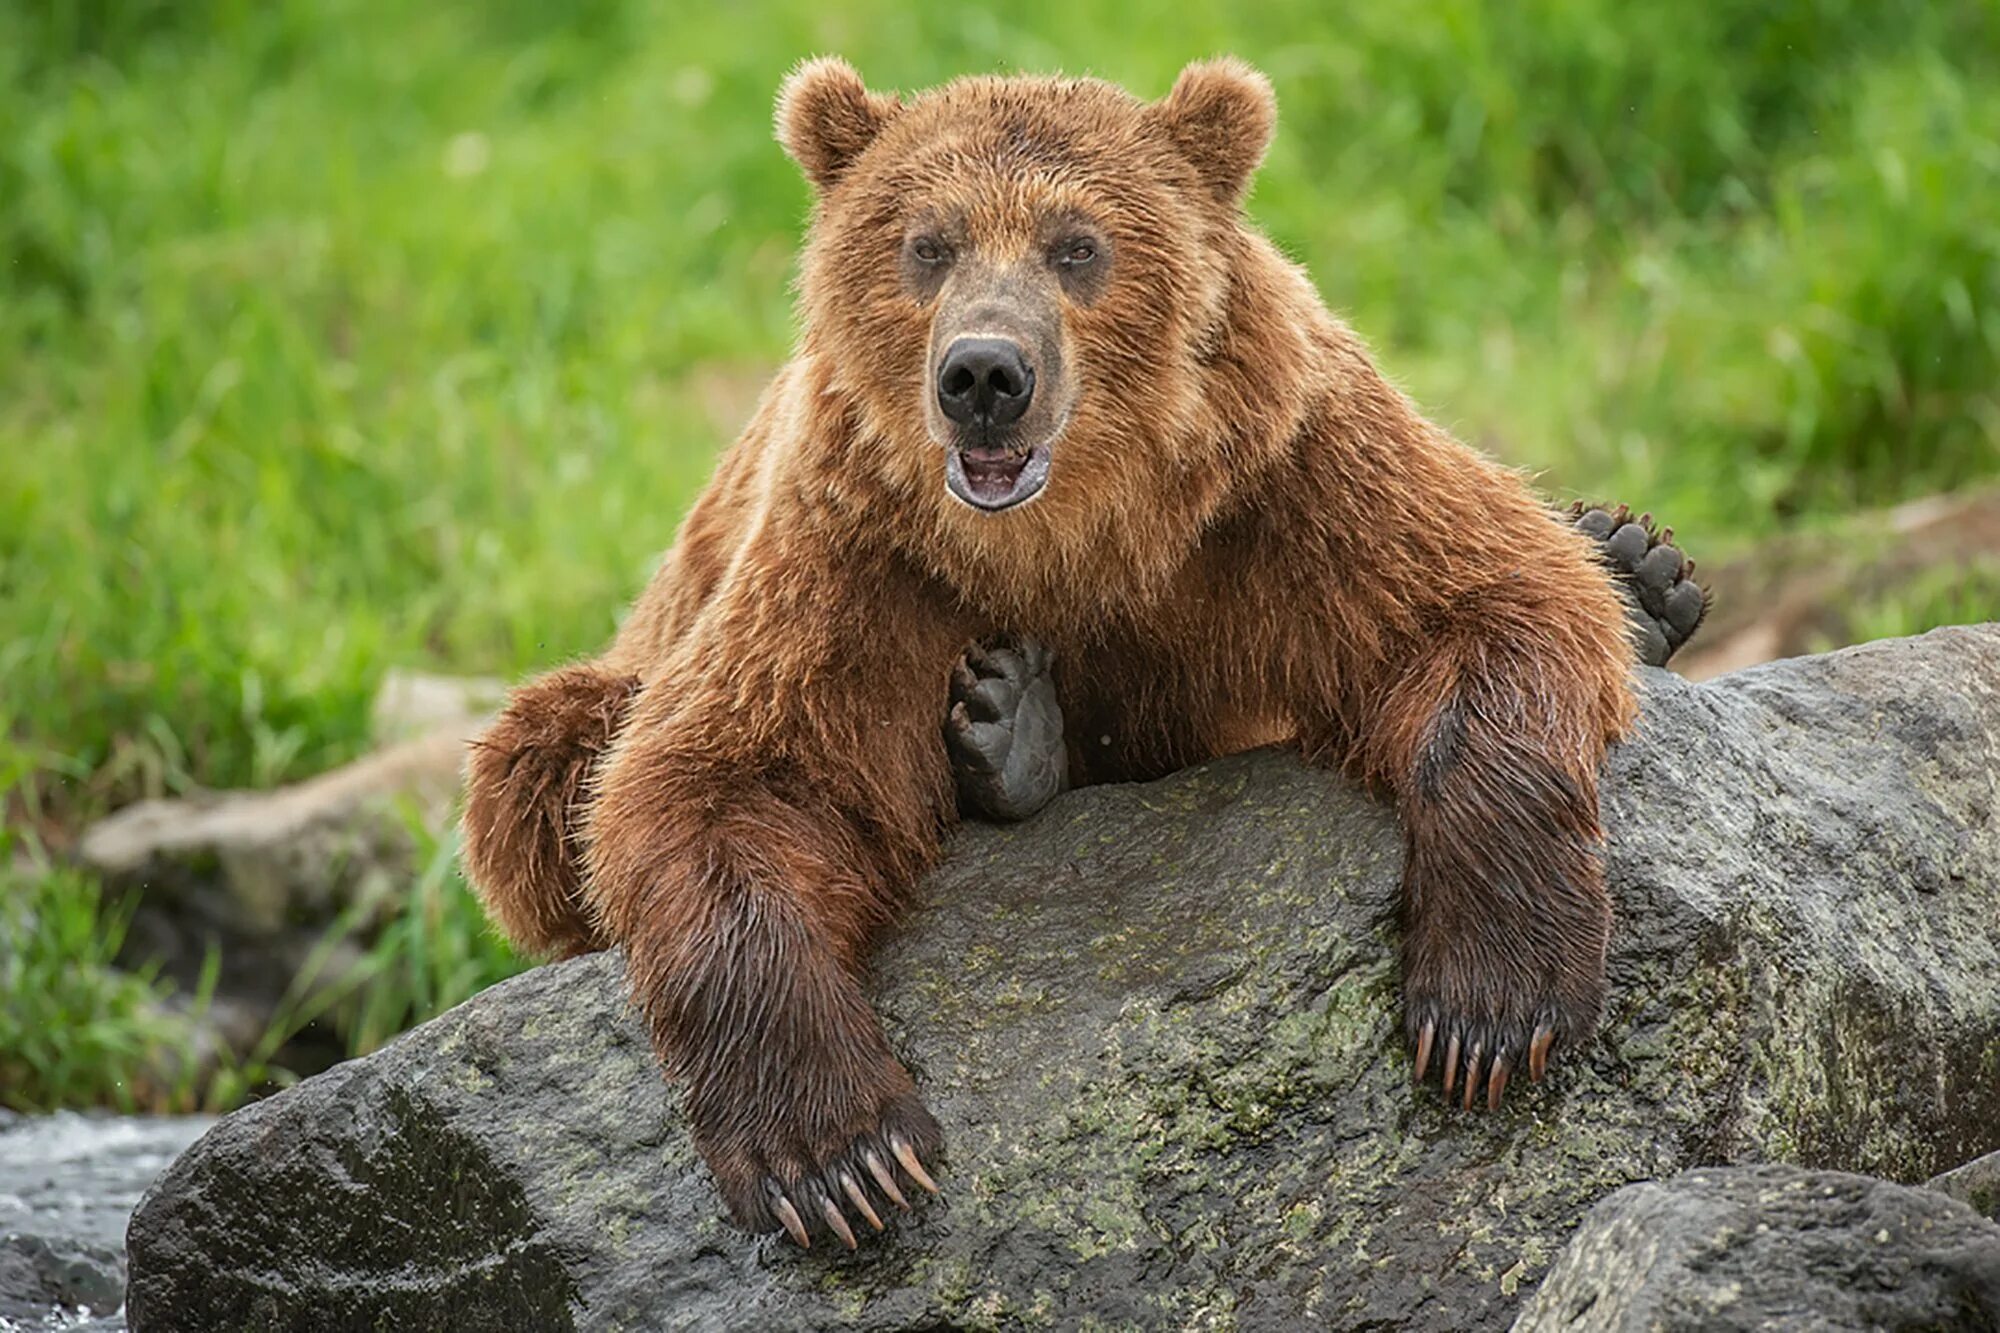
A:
(1773, 1249)
(68, 1183)
(1158, 1025)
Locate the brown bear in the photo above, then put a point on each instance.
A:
(1051, 381)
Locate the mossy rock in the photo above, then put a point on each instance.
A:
(1158, 1026)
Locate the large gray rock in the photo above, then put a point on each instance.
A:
(1158, 1026)
(1774, 1249)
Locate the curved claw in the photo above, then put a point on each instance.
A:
(831, 1212)
(1424, 1040)
(1496, 1082)
(907, 1155)
(859, 1198)
(885, 1178)
(1472, 1061)
(795, 1226)
(1450, 1065)
(1538, 1052)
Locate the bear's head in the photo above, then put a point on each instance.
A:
(1042, 289)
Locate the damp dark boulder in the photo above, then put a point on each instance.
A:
(1774, 1249)
(1158, 1024)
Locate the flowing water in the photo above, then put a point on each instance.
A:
(68, 1182)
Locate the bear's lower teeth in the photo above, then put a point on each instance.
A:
(995, 479)
(994, 469)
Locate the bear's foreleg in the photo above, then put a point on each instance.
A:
(745, 916)
(1490, 743)
(1005, 729)
(770, 801)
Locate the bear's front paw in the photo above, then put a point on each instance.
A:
(1500, 997)
(1004, 731)
(816, 1167)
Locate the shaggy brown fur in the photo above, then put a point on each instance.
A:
(1247, 534)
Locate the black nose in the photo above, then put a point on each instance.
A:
(985, 382)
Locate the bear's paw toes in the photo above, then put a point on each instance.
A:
(1662, 598)
(1512, 1028)
(1477, 1067)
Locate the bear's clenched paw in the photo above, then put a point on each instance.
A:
(855, 1182)
(1004, 730)
(1665, 603)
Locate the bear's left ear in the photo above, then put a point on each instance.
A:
(1220, 114)
(827, 116)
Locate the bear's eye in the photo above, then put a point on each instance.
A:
(1075, 254)
(927, 250)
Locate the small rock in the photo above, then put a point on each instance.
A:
(1976, 1183)
(414, 704)
(262, 876)
(37, 1277)
(1774, 1249)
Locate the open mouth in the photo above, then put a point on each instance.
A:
(992, 478)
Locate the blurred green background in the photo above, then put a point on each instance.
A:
(338, 335)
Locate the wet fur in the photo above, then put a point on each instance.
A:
(1249, 535)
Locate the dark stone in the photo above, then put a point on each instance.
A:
(1158, 1024)
(1977, 1183)
(1774, 1249)
(38, 1276)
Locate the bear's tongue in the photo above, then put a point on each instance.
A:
(991, 474)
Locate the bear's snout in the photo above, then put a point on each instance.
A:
(985, 383)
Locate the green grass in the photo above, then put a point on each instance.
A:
(1950, 596)
(349, 334)
(74, 1029)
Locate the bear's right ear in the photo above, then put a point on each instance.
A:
(1220, 115)
(827, 116)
